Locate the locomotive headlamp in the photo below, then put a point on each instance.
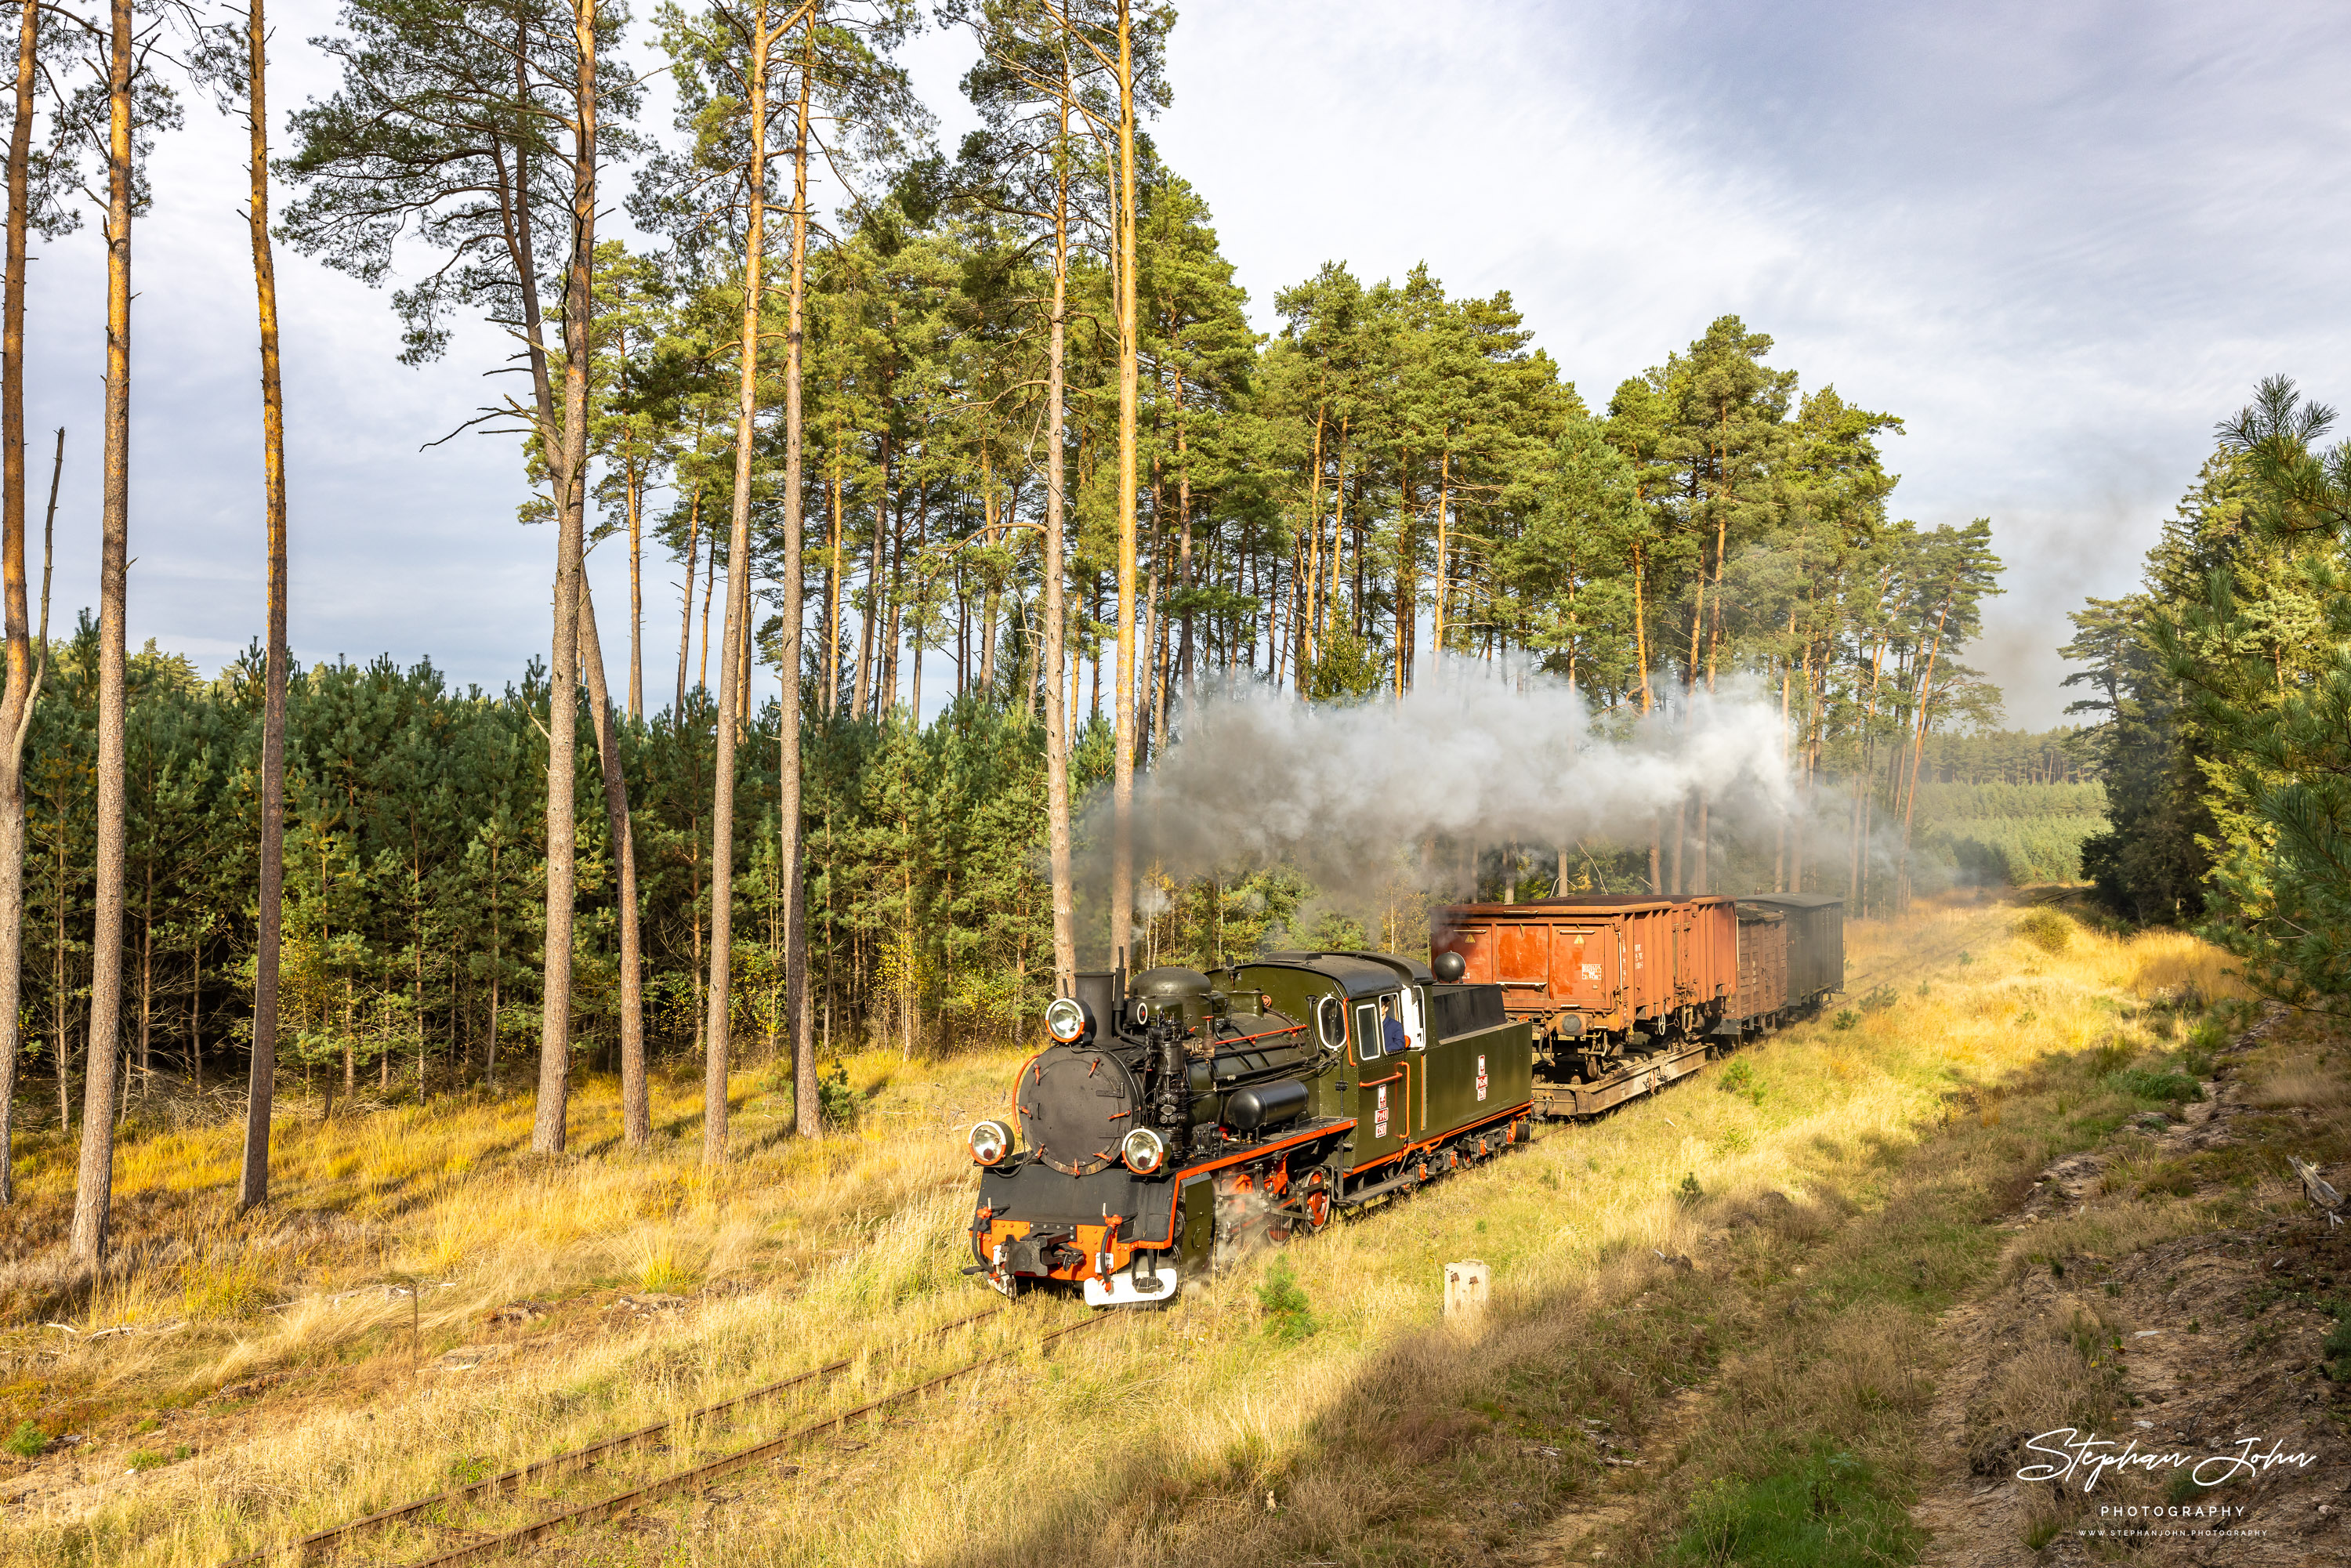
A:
(1067, 1020)
(991, 1143)
(1145, 1151)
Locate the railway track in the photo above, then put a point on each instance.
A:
(497, 1544)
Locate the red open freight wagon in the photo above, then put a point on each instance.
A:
(1622, 990)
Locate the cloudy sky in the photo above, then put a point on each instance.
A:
(2058, 241)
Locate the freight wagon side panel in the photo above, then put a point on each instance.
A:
(1649, 969)
(1823, 950)
(1586, 964)
(1522, 954)
(1710, 954)
(1762, 965)
(1619, 962)
(1474, 940)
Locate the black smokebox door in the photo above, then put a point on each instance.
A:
(1076, 1105)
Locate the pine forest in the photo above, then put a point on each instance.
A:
(1003, 425)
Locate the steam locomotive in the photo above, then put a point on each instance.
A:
(1180, 1118)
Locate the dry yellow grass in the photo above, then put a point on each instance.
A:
(1133, 1444)
(447, 1200)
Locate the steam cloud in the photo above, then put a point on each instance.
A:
(1471, 756)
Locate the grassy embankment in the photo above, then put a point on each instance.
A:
(1781, 1232)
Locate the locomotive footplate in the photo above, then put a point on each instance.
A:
(1634, 1078)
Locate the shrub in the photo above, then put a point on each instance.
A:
(1289, 1316)
(1845, 1019)
(2154, 1083)
(2046, 929)
(836, 1101)
(2336, 1347)
(1738, 1077)
(28, 1442)
(1877, 999)
(1689, 1192)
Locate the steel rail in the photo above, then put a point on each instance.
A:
(575, 1458)
(726, 1464)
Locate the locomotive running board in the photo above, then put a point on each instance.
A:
(1559, 1101)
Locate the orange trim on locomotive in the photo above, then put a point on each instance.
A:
(1510, 1113)
(1121, 1252)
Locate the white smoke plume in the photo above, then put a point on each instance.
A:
(1469, 757)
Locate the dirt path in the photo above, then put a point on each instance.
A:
(1574, 1535)
(2192, 1345)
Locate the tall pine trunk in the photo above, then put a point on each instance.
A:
(686, 617)
(1053, 676)
(634, 492)
(16, 702)
(549, 1127)
(717, 1047)
(832, 585)
(253, 1182)
(1918, 745)
(94, 1179)
(1122, 864)
(805, 1103)
(636, 1104)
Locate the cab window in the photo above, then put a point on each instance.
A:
(1369, 1042)
(1412, 1011)
(1330, 1021)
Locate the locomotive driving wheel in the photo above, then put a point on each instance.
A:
(1315, 1203)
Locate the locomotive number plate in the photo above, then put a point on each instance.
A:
(1380, 1113)
(1481, 1078)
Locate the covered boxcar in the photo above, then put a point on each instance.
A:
(1815, 937)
